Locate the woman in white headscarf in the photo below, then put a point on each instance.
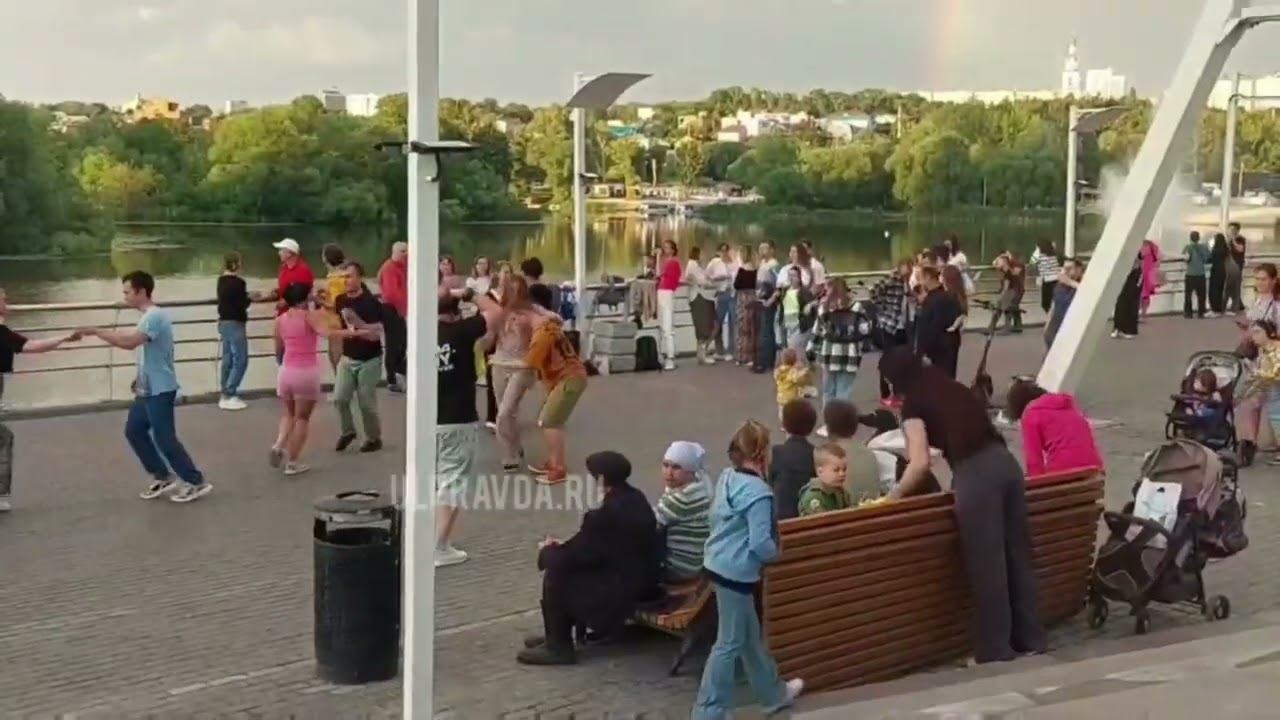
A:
(684, 509)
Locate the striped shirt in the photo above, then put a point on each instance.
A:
(685, 515)
(1047, 266)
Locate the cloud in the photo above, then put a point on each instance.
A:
(312, 41)
(145, 13)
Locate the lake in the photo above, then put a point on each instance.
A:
(187, 260)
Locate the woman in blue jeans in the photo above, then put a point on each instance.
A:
(743, 539)
(233, 317)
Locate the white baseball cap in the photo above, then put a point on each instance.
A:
(288, 244)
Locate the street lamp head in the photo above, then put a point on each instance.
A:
(435, 149)
(604, 90)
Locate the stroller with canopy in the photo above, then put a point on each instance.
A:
(1186, 511)
(1209, 422)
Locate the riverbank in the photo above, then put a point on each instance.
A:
(794, 216)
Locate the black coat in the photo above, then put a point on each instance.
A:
(939, 311)
(613, 561)
(790, 469)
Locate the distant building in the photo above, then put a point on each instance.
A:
(986, 97)
(645, 113)
(231, 107)
(198, 116)
(140, 108)
(64, 123)
(362, 105)
(1265, 85)
(1072, 82)
(507, 126)
(734, 133)
(333, 100)
(843, 128)
(1102, 82)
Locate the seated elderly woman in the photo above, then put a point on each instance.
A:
(595, 578)
(1055, 433)
(990, 501)
(684, 510)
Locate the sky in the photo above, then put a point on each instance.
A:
(266, 51)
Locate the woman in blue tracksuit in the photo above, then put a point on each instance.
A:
(743, 539)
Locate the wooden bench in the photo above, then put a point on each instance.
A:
(688, 613)
(869, 594)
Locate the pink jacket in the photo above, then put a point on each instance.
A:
(1057, 436)
(393, 283)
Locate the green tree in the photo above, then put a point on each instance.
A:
(546, 151)
(851, 175)
(117, 188)
(624, 158)
(766, 155)
(691, 159)
(720, 156)
(932, 169)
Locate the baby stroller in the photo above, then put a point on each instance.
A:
(1207, 422)
(1161, 559)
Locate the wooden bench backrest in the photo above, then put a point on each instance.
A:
(869, 594)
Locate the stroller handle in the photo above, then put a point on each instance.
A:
(1119, 522)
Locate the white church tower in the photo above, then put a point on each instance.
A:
(1072, 77)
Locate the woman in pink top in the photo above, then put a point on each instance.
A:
(512, 377)
(669, 276)
(1055, 433)
(298, 384)
(1151, 280)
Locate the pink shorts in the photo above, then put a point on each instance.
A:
(299, 383)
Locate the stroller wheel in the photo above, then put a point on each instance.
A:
(1143, 623)
(1219, 608)
(1098, 612)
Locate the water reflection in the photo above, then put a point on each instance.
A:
(190, 258)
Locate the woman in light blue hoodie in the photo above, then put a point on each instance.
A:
(743, 539)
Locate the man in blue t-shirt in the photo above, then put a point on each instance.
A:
(151, 429)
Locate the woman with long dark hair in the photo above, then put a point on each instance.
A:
(1128, 304)
(1218, 255)
(744, 289)
(953, 283)
(702, 305)
(990, 502)
(670, 275)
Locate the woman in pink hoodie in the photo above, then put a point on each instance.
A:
(1055, 433)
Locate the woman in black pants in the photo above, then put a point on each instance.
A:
(1218, 273)
(990, 502)
(1128, 303)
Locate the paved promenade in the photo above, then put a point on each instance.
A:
(115, 607)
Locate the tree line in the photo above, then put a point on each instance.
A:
(299, 163)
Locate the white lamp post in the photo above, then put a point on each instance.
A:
(1080, 122)
(596, 93)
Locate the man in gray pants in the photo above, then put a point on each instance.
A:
(11, 343)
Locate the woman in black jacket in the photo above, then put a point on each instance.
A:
(595, 578)
(1218, 273)
(939, 312)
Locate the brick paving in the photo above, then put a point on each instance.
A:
(114, 607)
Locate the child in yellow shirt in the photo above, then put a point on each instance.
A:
(793, 378)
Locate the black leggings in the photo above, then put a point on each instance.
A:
(1046, 293)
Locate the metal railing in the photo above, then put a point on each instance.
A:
(1174, 269)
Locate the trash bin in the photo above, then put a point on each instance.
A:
(357, 588)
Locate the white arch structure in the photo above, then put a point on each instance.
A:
(1221, 25)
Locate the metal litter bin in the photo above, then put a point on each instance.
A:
(357, 588)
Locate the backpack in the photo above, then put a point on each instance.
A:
(1224, 535)
(647, 357)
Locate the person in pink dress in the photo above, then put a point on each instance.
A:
(297, 330)
(1151, 275)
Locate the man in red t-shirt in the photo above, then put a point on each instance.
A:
(293, 269)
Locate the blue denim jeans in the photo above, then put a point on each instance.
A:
(726, 317)
(738, 639)
(152, 434)
(837, 385)
(235, 355)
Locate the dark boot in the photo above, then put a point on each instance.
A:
(556, 647)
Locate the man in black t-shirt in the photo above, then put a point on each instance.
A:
(12, 343)
(457, 422)
(361, 365)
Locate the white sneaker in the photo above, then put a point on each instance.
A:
(1115, 334)
(709, 360)
(790, 692)
(727, 357)
(189, 493)
(1211, 314)
(4, 505)
(232, 403)
(295, 468)
(493, 426)
(822, 431)
(669, 365)
(158, 488)
(449, 555)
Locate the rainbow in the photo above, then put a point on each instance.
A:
(948, 19)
